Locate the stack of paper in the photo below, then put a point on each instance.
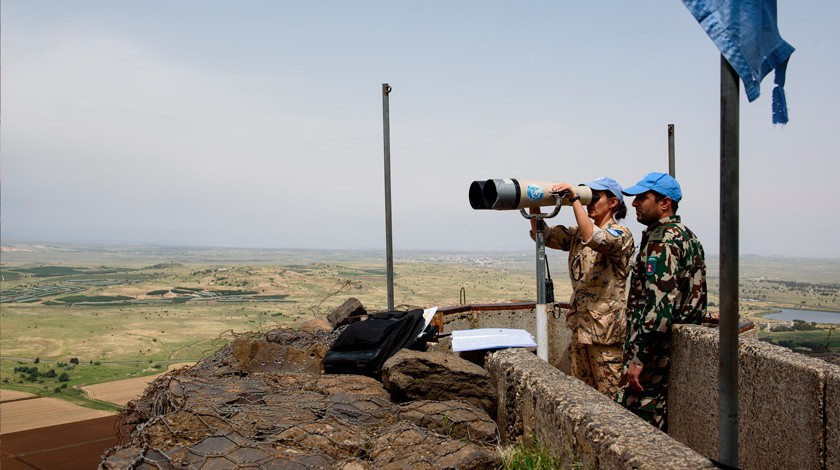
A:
(491, 338)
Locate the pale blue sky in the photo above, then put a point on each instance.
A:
(259, 123)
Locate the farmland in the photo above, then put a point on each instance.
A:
(92, 314)
(120, 314)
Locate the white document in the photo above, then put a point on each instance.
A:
(491, 338)
(428, 314)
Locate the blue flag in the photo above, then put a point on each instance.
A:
(747, 34)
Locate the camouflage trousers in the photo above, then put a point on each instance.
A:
(598, 365)
(650, 404)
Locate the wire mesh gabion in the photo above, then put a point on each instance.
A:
(261, 402)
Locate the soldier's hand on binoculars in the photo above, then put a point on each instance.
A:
(565, 189)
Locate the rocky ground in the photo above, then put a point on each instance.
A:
(263, 402)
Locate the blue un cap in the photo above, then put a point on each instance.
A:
(662, 183)
(606, 184)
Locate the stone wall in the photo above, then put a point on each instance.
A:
(576, 423)
(789, 404)
(568, 418)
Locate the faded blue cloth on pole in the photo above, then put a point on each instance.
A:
(747, 34)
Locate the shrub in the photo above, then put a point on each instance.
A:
(803, 325)
(64, 377)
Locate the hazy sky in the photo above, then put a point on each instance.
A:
(259, 123)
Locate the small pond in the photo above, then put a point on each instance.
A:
(809, 316)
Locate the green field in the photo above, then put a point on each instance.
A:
(819, 340)
(69, 377)
(123, 311)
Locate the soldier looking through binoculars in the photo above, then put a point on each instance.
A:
(599, 263)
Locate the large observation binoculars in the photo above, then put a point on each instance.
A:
(510, 193)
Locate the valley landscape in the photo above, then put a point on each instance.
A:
(76, 315)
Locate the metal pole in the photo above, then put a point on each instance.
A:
(672, 163)
(728, 361)
(389, 249)
(541, 311)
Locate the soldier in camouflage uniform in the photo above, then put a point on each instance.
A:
(667, 287)
(599, 263)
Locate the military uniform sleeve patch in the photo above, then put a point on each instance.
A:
(614, 232)
(657, 234)
(650, 265)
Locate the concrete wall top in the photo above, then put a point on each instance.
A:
(788, 402)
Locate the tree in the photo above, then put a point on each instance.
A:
(37, 360)
(64, 377)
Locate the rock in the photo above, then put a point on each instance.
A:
(443, 344)
(453, 418)
(316, 326)
(438, 376)
(241, 409)
(406, 446)
(350, 311)
(255, 355)
(300, 339)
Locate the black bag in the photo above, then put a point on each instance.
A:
(364, 346)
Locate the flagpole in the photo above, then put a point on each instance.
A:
(729, 219)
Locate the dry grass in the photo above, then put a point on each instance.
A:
(184, 331)
(121, 392)
(13, 395)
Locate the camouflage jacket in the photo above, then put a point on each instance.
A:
(668, 286)
(598, 269)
